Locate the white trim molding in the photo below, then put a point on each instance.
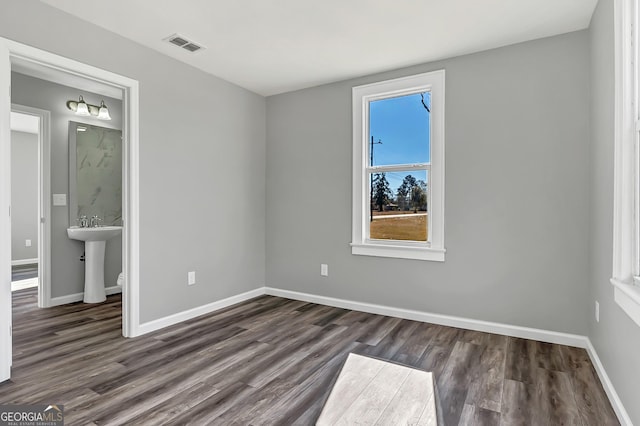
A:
(79, 297)
(24, 284)
(626, 217)
(399, 252)
(21, 262)
(362, 96)
(5, 214)
(167, 321)
(447, 320)
(615, 400)
(628, 298)
(44, 201)
(9, 51)
(131, 169)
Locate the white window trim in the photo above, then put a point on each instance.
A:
(626, 217)
(360, 245)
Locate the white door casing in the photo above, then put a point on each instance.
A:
(44, 207)
(130, 132)
(5, 217)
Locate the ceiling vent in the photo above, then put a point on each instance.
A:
(184, 43)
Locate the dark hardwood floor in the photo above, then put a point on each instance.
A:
(273, 361)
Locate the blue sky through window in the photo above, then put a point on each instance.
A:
(402, 125)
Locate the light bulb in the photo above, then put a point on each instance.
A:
(82, 108)
(103, 113)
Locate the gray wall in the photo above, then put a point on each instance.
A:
(202, 162)
(67, 271)
(616, 337)
(516, 227)
(24, 195)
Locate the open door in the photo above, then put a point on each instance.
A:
(5, 213)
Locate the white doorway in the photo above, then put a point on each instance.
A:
(30, 190)
(58, 67)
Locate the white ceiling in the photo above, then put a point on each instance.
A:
(275, 46)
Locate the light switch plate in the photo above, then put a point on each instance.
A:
(324, 270)
(59, 199)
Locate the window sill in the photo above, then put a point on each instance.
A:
(627, 296)
(399, 252)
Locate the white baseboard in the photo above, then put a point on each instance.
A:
(23, 262)
(113, 290)
(616, 403)
(22, 284)
(154, 325)
(448, 320)
(77, 297)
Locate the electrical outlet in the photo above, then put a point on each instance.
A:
(191, 278)
(324, 270)
(27, 243)
(597, 311)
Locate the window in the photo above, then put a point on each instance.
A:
(626, 214)
(398, 168)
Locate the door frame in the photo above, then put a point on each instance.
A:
(10, 50)
(44, 207)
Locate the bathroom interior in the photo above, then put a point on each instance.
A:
(75, 188)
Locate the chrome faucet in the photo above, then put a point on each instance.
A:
(94, 221)
(83, 222)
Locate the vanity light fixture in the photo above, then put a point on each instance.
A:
(82, 108)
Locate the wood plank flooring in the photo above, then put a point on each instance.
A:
(380, 393)
(273, 361)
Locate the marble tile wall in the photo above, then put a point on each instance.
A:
(99, 173)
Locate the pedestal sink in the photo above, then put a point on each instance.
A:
(95, 240)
